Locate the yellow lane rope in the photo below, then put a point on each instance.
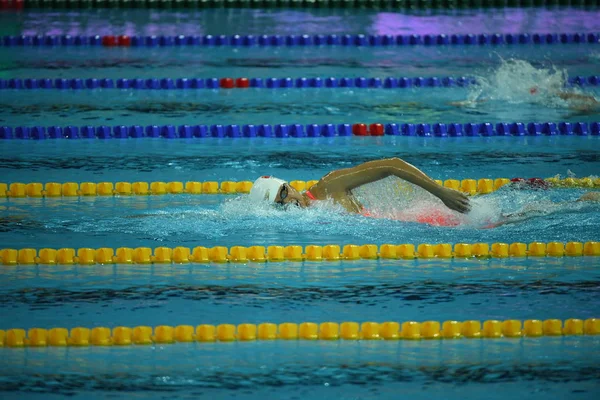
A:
(409, 330)
(328, 252)
(73, 189)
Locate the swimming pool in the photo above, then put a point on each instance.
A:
(486, 311)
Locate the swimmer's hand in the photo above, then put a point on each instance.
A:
(455, 200)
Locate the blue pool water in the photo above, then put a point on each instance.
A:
(365, 290)
(312, 291)
(264, 62)
(129, 295)
(212, 159)
(288, 106)
(548, 367)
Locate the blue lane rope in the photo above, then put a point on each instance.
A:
(216, 83)
(411, 5)
(481, 39)
(272, 83)
(515, 129)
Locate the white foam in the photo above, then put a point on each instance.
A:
(387, 199)
(484, 210)
(514, 80)
(243, 208)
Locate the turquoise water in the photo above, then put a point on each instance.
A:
(174, 220)
(281, 62)
(279, 106)
(366, 290)
(384, 290)
(495, 369)
(212, 159)
(372, 290)
(216, 220)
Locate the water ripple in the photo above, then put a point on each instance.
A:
(367, 374)
(253, 295)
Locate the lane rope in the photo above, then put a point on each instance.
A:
(292, 253)
(245, 332)
(75, 189)
(302, 40)
(407, 5)
(438, 130)
(244, 83)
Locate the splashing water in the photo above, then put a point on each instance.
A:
(392, 198)
(398, 213)
(518, 81)
(395, 199)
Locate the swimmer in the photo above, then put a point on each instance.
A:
(338, 185)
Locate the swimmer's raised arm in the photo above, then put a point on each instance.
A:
(340, 182)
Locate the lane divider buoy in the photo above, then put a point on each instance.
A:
(348, 330)
(438, 130)
(303, 40)
(292, 253)
(271, 4)
(244, 83)
(75, 189)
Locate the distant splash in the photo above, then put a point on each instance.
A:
(518, 81)
(513, 80)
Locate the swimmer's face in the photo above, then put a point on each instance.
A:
(288, 195)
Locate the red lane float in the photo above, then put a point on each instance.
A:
(242, 82)
(124, 40)
(360, 130)
(109, 41)
(376, 129)
(112, 41)
(372, 130)
(227, 83)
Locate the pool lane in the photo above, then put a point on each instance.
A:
(461, 369)
(110, 295)
(306, 61)
(222, 159)
(212, 220)
(285, 106)
(386, 290)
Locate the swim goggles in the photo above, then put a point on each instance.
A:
(283, 193)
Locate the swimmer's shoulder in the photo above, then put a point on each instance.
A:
(323, 189)
(317, 190)
(330, 186)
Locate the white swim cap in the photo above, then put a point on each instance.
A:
(266, 188)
